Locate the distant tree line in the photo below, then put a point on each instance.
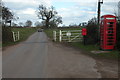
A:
(28, 23)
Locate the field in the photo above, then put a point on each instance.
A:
(24, 34)
(87, 48)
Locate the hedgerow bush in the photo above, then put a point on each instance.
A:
(118, 36)
(92, 36)
(6, 35)
(0, 34)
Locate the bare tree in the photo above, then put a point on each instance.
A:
(14, 24)
(38, 24)
(117, 11)
(58, 20)
(28, 23)
(7, 15)
(55, 21)
(20, 24)
(46, 14)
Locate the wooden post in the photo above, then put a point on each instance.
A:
(69, 39)
(13, 36)
(54, 35)
(18, 35)
(60, 36)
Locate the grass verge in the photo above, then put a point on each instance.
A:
(24, 34)
(0, 44)
(88, 48)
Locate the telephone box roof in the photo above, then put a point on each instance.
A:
(108, 15)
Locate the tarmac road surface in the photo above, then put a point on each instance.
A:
(39, 58)
(27, 59)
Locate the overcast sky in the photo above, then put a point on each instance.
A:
(71, 11)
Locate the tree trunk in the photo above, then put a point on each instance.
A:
(47, 23)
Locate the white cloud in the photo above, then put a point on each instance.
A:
(77, 14)
(26, 11)
(79, 11)
(84, 11)
(45, 2)
(27, 14)
(84, 0)
(30, 2)
(21, 1)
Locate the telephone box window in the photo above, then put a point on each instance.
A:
(110, 23)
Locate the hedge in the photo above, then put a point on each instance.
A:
(6, 35)
(118, 36)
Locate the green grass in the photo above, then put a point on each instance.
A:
(0, 44)
(110, 55)
(84, 47)
(49, 32)
(88, 48)
(24, 34)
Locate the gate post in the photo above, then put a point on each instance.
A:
(69, 39)
(13, 36)
(54, 35)
(18, 35)
(60, 36)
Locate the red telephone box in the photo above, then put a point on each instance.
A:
(108, 32)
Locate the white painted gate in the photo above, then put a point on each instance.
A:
(16, 36)
(67, 35)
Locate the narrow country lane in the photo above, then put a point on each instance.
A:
(27, 59)
(39, 58)
(67, 62)
(0, 62)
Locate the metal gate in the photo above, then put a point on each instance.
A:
(67, 35)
